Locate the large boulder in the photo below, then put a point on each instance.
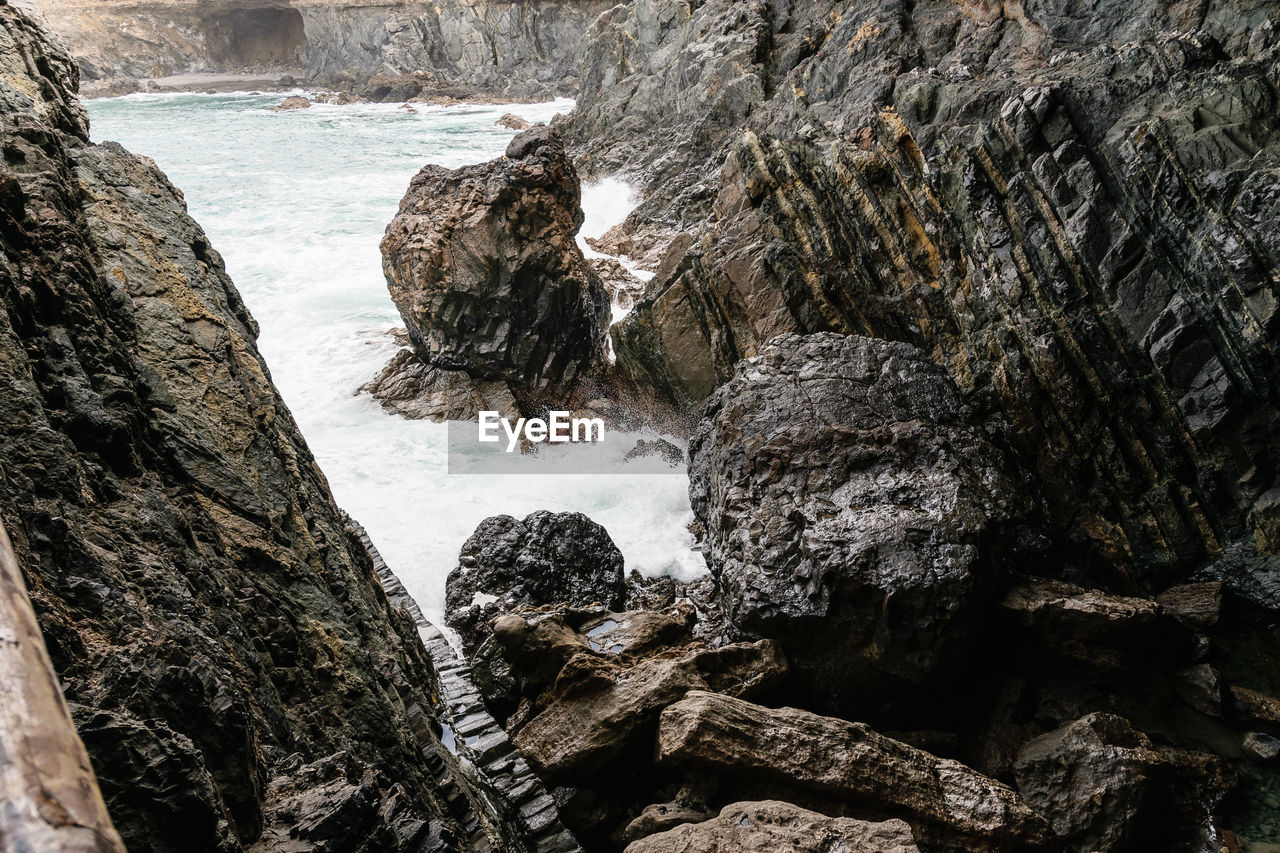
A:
(850, 507)
(770, 826)
(546, 558)
(946, 802)
(483, 265)
(1104, 786)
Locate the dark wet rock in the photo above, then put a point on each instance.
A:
(769, 826)
(1196, 605)
(512, 122)
(1072, 217)
(207, 611)
(1259, 746)
(413, 389)
(546, 558)
(851, 509)
(1253, 707)
(944, 801)
(293, 102)
(482, 263)
(1104, 786)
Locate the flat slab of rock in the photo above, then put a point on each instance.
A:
(771, 827)
(847, 761)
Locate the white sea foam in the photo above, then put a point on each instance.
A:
(296, 202)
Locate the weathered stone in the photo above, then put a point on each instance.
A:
(415, 390)
(1196, 605)
(1103, 786)
(1262, 747)
(482, 263)
(293, 102)
(512, 122)
(659, 817)
(847, 761)
(1250, 706)
(598, 708)
(206, 610)
(770, 827)
(851, 511)
(546, 558)
(1092, 626)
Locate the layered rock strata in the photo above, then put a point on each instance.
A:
(232, 666)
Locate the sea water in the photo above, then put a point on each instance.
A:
(296, 203)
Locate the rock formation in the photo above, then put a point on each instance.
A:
(521, 50)
(482, 263)
(546, 558)
(852, 508)
(233, 667)
(1070, 216)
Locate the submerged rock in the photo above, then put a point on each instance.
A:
(293, 102)
(482, 263)
(851, 507)
(512, 122)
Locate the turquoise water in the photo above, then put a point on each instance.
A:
(296, 203)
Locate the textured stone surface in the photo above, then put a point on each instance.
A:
(482, 263)
(521, 50)
(413, 389)
(771, 826)
(545, 558)
(214, 626)
(850, 505)
(1074, 216)
(612, 676)
(1104, 786)
(943, 799)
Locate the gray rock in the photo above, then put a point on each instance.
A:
(546, 558)
(850, 510)
(771, 826)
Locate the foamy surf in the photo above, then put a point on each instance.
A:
(296, 203)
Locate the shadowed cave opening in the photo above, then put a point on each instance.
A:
(256, 37)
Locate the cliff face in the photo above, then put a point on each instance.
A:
(1075, 216)
(231, 662)
(522, 49)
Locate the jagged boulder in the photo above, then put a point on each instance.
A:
(850, 505)
(797, 751)
(1105, 787)
(771, 826)
(544, 558)
(482, 263)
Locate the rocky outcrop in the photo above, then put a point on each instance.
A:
(1104, 786)
(947, 803)
(410, 388)
(482, 263)
(770, 826)
(219, 635)
(1071, 217)
(546, 558)
(520, 50)
(852, 507)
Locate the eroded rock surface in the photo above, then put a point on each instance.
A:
(850, 503)
(769, 826)
(482, 263)
(215, 627)
(544, 558)
(948, 802)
